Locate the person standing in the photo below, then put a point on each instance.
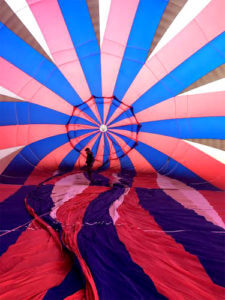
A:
(89, 162)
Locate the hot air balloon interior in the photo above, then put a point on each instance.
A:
(141, 83)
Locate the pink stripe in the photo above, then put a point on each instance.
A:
(107, 104)
(81, 126)
(19, 135)
(82, 158)
(197, 161)
(193, 37)
(31, 90)
(191, 199)
(128, 121)
(140, 164)
(78, 139)
(59, 42)
(49, 164)
(120, 19)
(127, 133)
(187, 106)
(93, 106)
(79, 113)
(131, 134)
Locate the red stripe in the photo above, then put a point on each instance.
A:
(192, 158)
(20, 135)
(176, 273)
(216, 199)
(146, 181)
(71, 214)
(139, 162)
(7, 190)
(82, 158)
(80, 295)
(33, 265)
(50, 163)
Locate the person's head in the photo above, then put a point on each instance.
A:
(87, 150)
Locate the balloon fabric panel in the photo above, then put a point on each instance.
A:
(146, 221)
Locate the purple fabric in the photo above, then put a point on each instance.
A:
(115, 274)
(73, 282)
(198, 237)
(13, 214)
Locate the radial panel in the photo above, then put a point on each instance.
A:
(215, 143)
(214, 75)
(10, 19)
(93, 6)
(172, 10)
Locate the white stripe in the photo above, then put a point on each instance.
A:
(190, 10)
(215, 86)
(211, 151)
(4, 161)
(23, 12)
(104, 7)
(8, 93)
(8, 151)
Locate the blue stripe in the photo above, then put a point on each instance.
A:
(76, 133)
(168, 166)
(197, 236)
(37, 66)
(165, 165)
(79, 24)
(13, 213)
(114, 105)
(146, 21)
(68, 162)
(203, 128)
(107, 257)
(100, 105)
(106, 153)
(13, 113)
(125, 162)
(70, 159)
(130, 127)
(72, 283)
(195, 67)
(79, 120)
(122, 116)
(31, 155)
(94, 149)
(130, 142)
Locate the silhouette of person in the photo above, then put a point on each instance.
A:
(89, 162)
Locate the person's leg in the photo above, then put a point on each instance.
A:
(89, 171)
